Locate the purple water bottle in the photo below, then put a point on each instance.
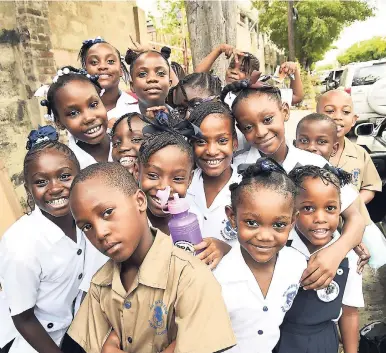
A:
(184, 227)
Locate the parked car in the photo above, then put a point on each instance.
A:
(333, 79)
(372, 137)
(366, 82)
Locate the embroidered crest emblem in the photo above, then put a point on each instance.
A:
(289, 297)
(329, 293)
(228, 233)
(159, 313)
(355, 176)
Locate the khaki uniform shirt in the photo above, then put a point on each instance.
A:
(357, 161)
(174, 296)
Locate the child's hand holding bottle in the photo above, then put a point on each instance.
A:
(213, 250)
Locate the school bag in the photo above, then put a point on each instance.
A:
(373, 338)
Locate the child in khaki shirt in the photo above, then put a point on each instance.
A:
(350, 157)
(150, 293)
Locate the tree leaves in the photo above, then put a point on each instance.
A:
(372, 49)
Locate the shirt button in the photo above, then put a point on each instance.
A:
(79, 251)
(260, 332)
(265, 308)
(127, 305)
(130, 340)
(50, 325)
(205, 218)
(80, 276)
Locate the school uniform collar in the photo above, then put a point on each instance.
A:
(297, 243)
(349, 150)
(153, 272)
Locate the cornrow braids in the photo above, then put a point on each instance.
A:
(87, 44)
(155, 142)
(45, 147)
(317, 117)
(266, 173)
(243, 89)
(328, 174)
(128, 118)
(70, 74)
(178, 70)
(203, 81)
(199, 113)
(131, 57)
(111, 174)
(249, 63)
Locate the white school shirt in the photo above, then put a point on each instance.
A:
(297, 156)
(41, 268)
(125, 104)
(213, 220)
(353, 294)
(255, 319)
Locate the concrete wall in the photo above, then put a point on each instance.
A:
(37, 37)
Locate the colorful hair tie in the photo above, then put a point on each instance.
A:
(42, 134)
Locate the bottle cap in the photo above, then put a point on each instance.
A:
(178, 205)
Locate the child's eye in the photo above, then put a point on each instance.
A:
(247, 128)
(107, 213)
(94, 62)
(111, 61)
(116, 143)
(40, 183)
(268, 120)
(279, 225)
(322, 142)
(161, 73)
(329, 111)
(65, 176)
(179, 179)
(308, 208)
(251, 223)
(86, 228)
(94, 104)
(200, 142)
(330, 208)
(142, 74)
(137, 140)
(73, 113)
(223, 141)
(347, 112)
(152, 176)
(303, 140)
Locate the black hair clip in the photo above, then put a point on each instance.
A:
(343, 176)
(93, 41)
(44, 103)
(42, 134)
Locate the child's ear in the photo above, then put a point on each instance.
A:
(191, 177)
(141, 200)
(170, 83)
(294, 218)
(354, 120)
(235, 143)
(132, 86)
(231, 216)
(136, 171)
(335, 149)
(285, 111)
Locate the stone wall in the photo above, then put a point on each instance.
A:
(37, 37)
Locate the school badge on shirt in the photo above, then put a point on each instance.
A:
(159, 313)
(355, 176)
(329, 293)
(228, 233)
(289, 297)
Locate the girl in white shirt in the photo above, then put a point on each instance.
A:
(42, 254)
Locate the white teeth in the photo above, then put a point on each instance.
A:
(93, 130)
(104, 76)
(320, 231)
(214, 161)
(156, 199)
(127, 161)
(57, 202)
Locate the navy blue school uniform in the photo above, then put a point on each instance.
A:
(310, 324)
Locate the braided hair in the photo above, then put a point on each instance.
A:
(266, 173)
(318, 117)
(328, 174)
(212, 107)
(207, 83)
(87, 44)
(131, 57)
(249, 63)
(243, 89)
(178, 70)
(128, 118)
(70, 74)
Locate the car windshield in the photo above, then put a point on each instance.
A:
(369, 74)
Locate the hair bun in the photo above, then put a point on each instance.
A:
(130, 56)
(263, 165)
(165, 52)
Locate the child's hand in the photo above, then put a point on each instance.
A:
(289, 68)
(321, 268)
(229, 50)
(152, 111)
(214, 251)
(170, 347)
(112, 344)
(137, 47)
(364, 256)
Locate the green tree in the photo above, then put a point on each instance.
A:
(372, 49)
(318, 26)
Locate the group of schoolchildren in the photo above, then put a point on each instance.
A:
(92, 266)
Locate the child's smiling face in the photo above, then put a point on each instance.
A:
(102, 59)
(151, 79)
(318, 204)
(317, 137)
(126, 142)
(169, 166)
(264, 218)
(50, 177)
(338, 106)
(214, 152)
(81, 111)
(261, 119)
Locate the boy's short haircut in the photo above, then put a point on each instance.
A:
(334, 91)
(317, 117)
(111, 174)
